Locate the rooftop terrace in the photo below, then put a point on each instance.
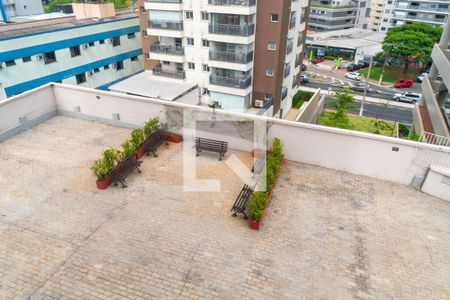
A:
(328, 234)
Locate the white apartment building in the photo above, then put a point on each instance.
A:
(241, 53)
(12, 8)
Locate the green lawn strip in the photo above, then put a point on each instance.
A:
(364, 124)
(391, 73)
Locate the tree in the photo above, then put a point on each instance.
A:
(343, 101)
(411, 42)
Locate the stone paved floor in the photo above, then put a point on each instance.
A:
(327, 235)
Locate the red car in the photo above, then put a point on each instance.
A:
(404, 83)
(317, 60)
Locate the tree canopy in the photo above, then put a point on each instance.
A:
(412, 42)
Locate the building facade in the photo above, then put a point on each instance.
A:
(335, 15)
(88, 53)
(12, 8)
(432, 12)
(241, 53)
(430, 114)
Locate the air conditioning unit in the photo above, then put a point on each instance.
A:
(113, 66)
(259, 103)
(39, 56)
(110, 41)
(89, 73)
(85, 46)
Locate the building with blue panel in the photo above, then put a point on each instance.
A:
(92, 53)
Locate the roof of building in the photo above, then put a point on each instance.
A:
(346, 38)
(147, 85)
(47, 16)
(27, 28)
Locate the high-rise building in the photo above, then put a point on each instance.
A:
(12, 8)
(334, 15)
(432, 12)
(430, 115)
(241, 53)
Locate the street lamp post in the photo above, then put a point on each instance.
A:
(361, 110)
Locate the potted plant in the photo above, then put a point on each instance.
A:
(174, 138)
(127, 150)
(256, 206)
(137, 139)
(150, 127)
(100, 170)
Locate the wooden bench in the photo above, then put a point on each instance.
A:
(241, 201)
(152, 143)
(123, 169)
(220, 147)
(258, 166)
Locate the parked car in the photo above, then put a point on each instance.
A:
(318, 60)
(359, 86)
(304, 78)
(353, 76)
(303, 67)
(421, 76)
(404, 83)
(353, 67)
(407, 97)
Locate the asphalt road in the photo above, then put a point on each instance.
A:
(380, 111)
(337, 88)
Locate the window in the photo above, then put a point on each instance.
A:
(165, 62)
(142, 10)
(131, 35)
(268, 96)
(26, 58)
(96, 70)
(383, 28)
(191, 66)
(116, 41)
(80, 78)
(205, 16)
(119, 65)
(134, 58)
(75, 51)
(91, 44)
(58, 81)
(269, 72)
(49, 57)
(389, 2)
(10, 63)
(190, 41)
(105, 67)
(205, 68)
(205, 43)
(189, 15)
(101, 42)
(274, 18)
(272, 46)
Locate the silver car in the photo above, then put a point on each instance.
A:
(407, 97)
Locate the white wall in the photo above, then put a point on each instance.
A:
(355, 152)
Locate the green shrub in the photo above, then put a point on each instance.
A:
(100, 169)
(137, 138)
(110, 158)
(151, 127)
(127, 149)
(329, 57)
(273, 163)
(403, 130)
(300, 97)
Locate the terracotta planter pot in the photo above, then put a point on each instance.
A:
(174, 138)
(102, 185)
(256, 225)
(140, 153)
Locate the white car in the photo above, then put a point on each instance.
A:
(407, 97)
(353, 76)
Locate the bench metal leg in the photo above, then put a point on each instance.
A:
(123, 183)
(139, 170)
(198, 152)
(220, 156)
(235, 214)
(154, 153)
(245, 215)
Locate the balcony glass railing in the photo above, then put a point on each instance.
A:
(292, 22)
(290, 46)
(232, 2)
(240, 58)
(165, 1)
(165, 25)
(284, 93)
(176, 49)
(231, 82)
(236, 30)
(287, 71)
(158, 71)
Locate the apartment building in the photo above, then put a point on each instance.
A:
(12, 8)
(335, 15)
(380, 15)
(433, 12)
(240, 53)
(430, 114)
(91, 52)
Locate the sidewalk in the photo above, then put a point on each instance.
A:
(368, 99)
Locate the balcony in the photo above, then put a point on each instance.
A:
(234, 30)
(175, 74)
(176, 49)
(441, 59)
(284, 93)
(175, 5)
(289, 47)
(165, 25)
(292, 23)
(232, 2)
(438, 120)
(231, 82)
(232, 57)
(287, 71)
(165, 1)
